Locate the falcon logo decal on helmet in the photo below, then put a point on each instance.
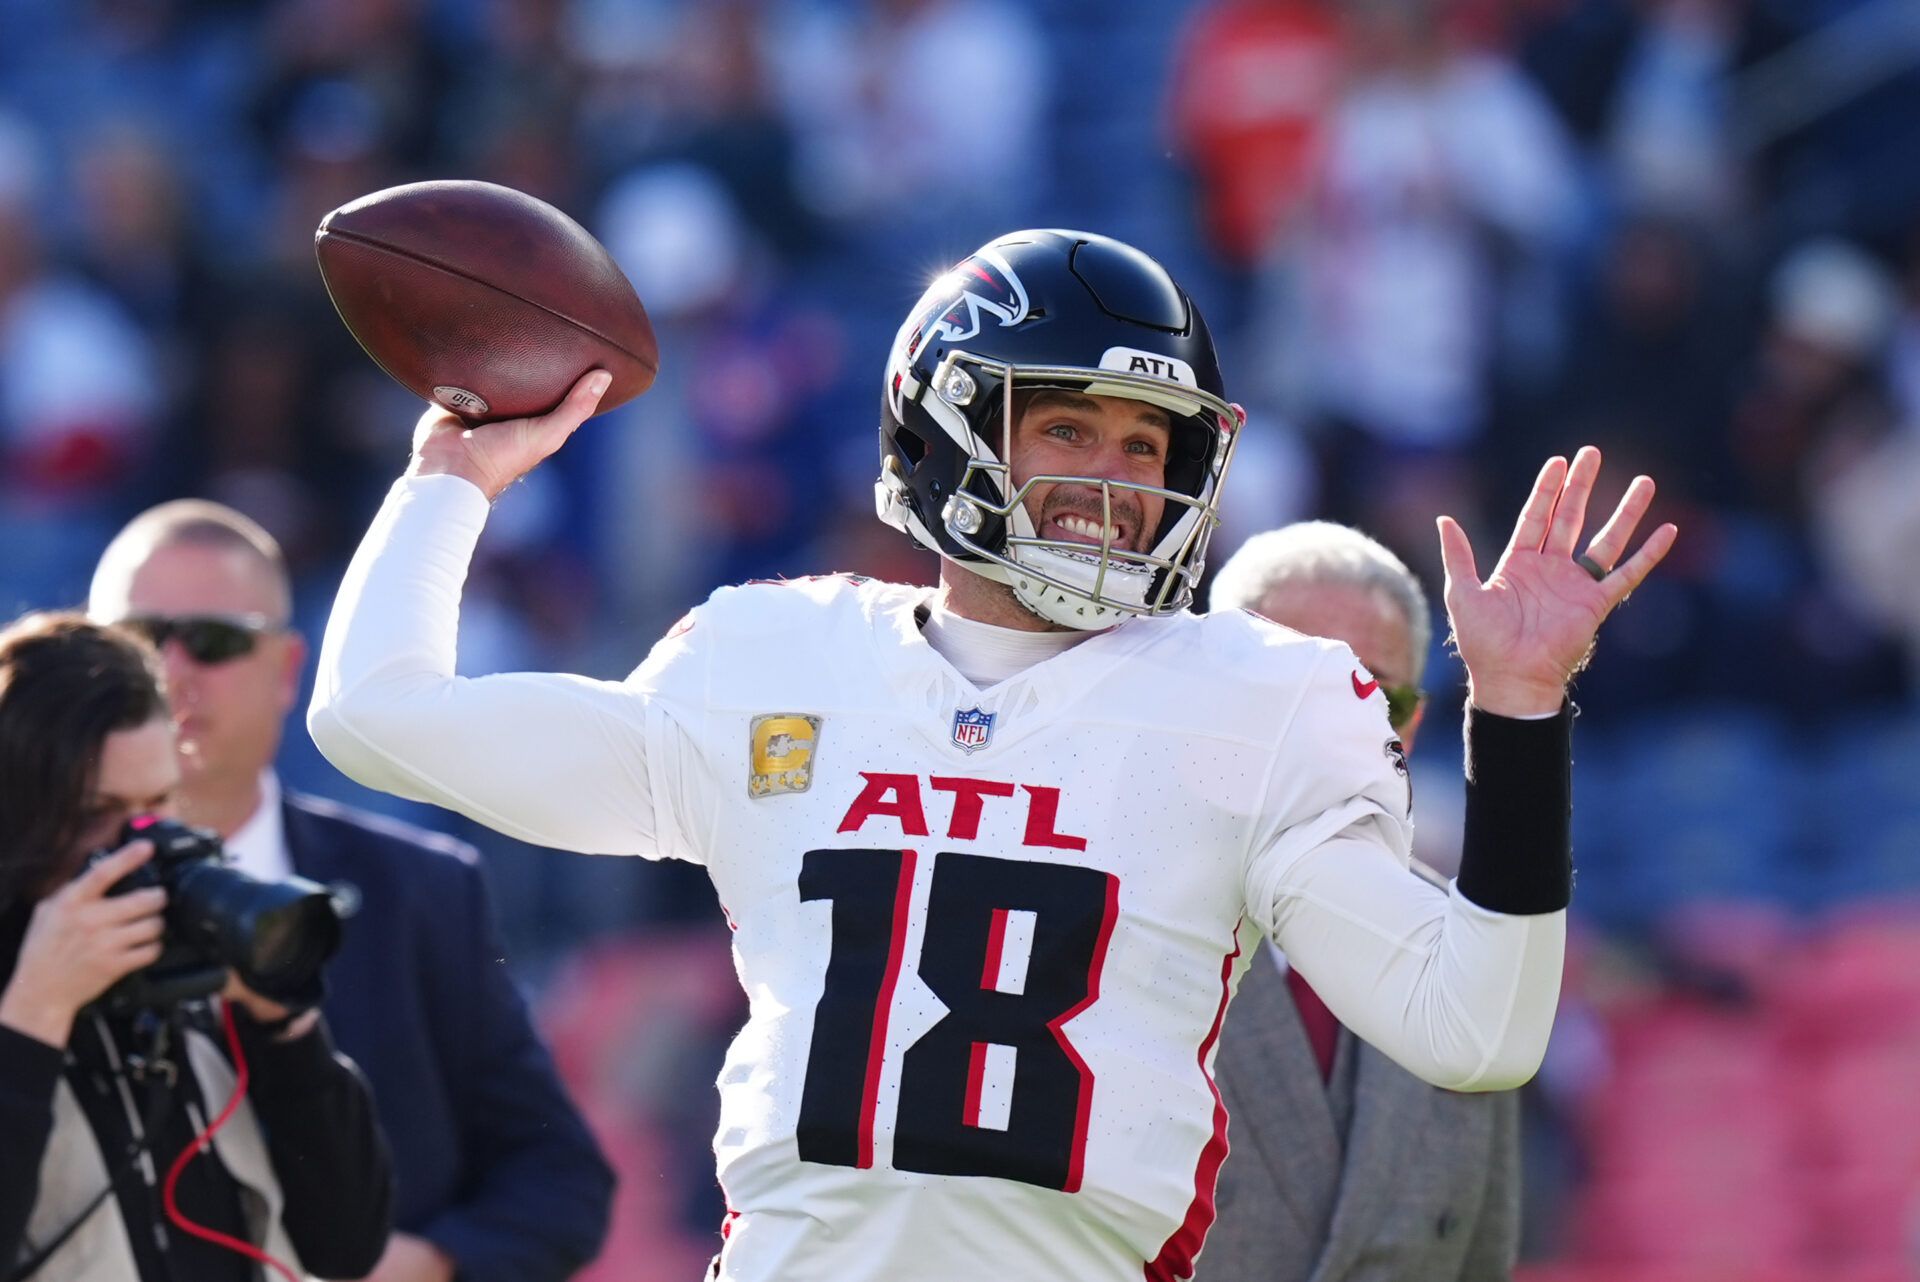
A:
(985, 284)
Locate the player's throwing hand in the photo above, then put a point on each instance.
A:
(495, 455)
(1529, 627)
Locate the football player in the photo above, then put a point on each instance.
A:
(995, 852)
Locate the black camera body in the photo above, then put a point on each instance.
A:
(276, 935)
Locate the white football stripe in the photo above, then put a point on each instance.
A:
(996, 1088)
(1016, 950)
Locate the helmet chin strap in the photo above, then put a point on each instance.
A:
(1057, 605)
(1073, 606)
(1046, 602)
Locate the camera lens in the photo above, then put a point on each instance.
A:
(288, 942)
(275, 933)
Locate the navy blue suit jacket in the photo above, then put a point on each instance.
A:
(491, 1160)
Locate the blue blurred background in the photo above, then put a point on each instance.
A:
(1438, 241)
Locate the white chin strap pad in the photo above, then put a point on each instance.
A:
(1074, 607)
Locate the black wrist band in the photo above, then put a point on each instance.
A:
(1517, 852)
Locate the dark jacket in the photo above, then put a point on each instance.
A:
(492, 1162)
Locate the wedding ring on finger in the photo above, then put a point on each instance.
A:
(1591, 566)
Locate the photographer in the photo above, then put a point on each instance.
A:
(496, 1176)
(101, 1103)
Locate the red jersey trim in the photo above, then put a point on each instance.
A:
(883, 1007)
(1177, 1254)
(976, 1077)
(996, 944)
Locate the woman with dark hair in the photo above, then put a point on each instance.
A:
(100, 1105)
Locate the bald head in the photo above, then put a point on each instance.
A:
(194, 562)
(252, 577)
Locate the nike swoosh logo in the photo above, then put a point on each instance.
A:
(1363, 688)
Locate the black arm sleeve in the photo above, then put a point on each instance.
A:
(327, 1150)
(1516, 855)
(29, 1070)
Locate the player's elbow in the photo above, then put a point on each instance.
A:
(1458, 1048)
(1500, 1002)
(1512, 1066)
(1508, 1066)
(329, 725)
(352, 730)
(1464, 1062)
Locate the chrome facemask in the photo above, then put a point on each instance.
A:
(1080, 585)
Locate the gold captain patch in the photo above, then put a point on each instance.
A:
(780, 753)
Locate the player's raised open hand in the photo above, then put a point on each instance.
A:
(1526, 629)
(495, 455)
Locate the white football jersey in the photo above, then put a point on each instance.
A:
(988, 936)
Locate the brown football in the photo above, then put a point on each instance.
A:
(483, 299)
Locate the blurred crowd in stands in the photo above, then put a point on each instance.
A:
(1438, 239)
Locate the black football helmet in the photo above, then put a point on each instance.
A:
(1052, 309)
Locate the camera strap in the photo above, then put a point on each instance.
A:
(154, 1063)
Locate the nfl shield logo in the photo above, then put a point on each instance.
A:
(973, 728)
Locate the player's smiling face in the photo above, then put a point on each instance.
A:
(1103, 438)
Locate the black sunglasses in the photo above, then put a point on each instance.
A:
(207, 638)
(1402, 703)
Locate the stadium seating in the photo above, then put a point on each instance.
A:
(1768, 1129)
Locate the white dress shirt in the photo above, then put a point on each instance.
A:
(258, 847)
